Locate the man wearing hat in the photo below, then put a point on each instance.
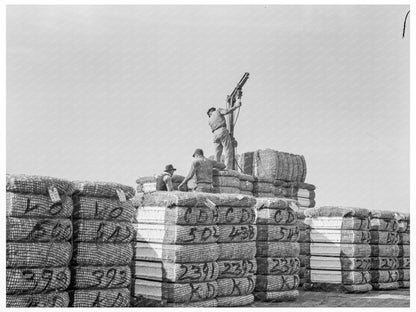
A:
(164, 180)
(222, 138)
(202, 168)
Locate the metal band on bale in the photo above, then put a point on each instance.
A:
(339, 263)
(339, 236)
(340, 250)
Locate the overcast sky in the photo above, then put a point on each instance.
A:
(113, 93)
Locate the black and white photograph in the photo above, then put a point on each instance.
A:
(207, 155)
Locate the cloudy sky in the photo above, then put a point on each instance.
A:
(113, 93)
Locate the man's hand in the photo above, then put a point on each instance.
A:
(180, 186)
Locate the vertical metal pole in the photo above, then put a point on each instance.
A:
(231, 130)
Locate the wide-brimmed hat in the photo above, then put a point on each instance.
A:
(211, 109)
(169, 168)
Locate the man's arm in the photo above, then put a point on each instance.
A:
(218, 165)
(168, 181)
(189, 176)
(225, 111)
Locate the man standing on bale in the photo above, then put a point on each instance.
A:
(222, 138)
(164, 180)
(202, 167)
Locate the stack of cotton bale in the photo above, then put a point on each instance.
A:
(384, 250)
(38, 232)
(237, 245)
(340, 250)
(303, 193)
(274, 164)
(304, 241)
(277, 250)
(404, 249)
(263, 187)
(103, 251)
(226, 181)
(246, 184)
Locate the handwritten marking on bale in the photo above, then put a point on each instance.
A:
(177, 272)
(385, 250)
(103, 231)
(236, 215)
(340, 249)
(384, 276)
(285, 216)
(99, 254)
(102, 208)
(339, 263)
(179, 215)
(177, 234)
(404, 238)
(100, 298)
(238, 286)
(338, 223)
(384, 263)
(276, 282)
(235, 301)
(404, 262)
(237, 233)
(278, 266)
(84, 277)
(175, 292)
(33, 184)
(237, 268)
(277, 296)
(384, 238)
(339, 236)
(39, 206)
(177, 253)
(278, 249)
(279, 233)
(30, 255)
(53, 299)
(36, 280)
(237, 251)
(38, 230)
(339, 277)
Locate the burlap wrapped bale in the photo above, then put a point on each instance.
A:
(384, 238)
(235, 301)
(273, 216)
(304, 260)
(279, 191)
(246, 177)
(52, 299)
(177, 234)
(196, 199)
(226, 173)
(404, 274)
(265, 283)
(38, 254)
(180, 253)
(102, 231)
(305, 248)
(37, 206)
(85, 277)
(226, 190)
(340, 250)
(237, 251)
(383, 214)
(278, 233)
(100, 298)
(246, 183)
(339, 236)
(333, 211)
(185, 215)
(177, 272)
(276, 203)
(404, 251)
(403, 262)
(238, 286)
(247, 163)
(102, 189)
(229, 233)
(247, 193)
(236, 215)
(385, 250)
(355, 288)
(213, 303)
(384, 263)
(386, 286)
(294, 185)
(299, 193)
(339, 277)
(36, 280)
(278, 296)
(264, 195)
(38, 230)
(304, 236)
(339, 263)
(384, 276)
(403, 220)
(225, 181)
(404, 238)
(388, 225)
(237, 268)
(102, 208)
(175, 292)
(339, 223)
(39, 185)
(278, 266)
(99, 254)
(263, 187)
(404, 284)
(278, 249)
(306, 202)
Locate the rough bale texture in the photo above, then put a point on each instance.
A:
(263, 187)
(32, 255)
(345, 277)
(246, 186)
(33, 184)
(263, 195)
(404, 274)
(115, 297)
(239, 286)
(237, 251)
(265, 283)
(404, 238)
(226, 173)
(340, 250)
(229, 233)
(102, 231)
(339, 236)
(246, 177)
(388, 225)
(226, 190)
(404, 262)
(237, 268)
(384, 250)
(277, 296)
(36, 280)
(278, 233)
(299, 193)
(225, 181)
(276, 216)
(383, 214)
(235, 301)
(100, 276)
(52, 299)
(236, 215)
(102, 189)
(384, 276)
(294, 185)
(278, 249)
(37, 206)
(332, 211)
(278, 266)
(385, 263)
(404, 251)
(213, 303)
(305, 248)
(196, 199)
(38, 230)
(356, 288)
(274, 203)
(384, 238)
(99, 254)
(186, 253)
(102, 208)
(386, 286)
(403, 220)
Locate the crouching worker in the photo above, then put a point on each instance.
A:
(202, 169)
(164, 180)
